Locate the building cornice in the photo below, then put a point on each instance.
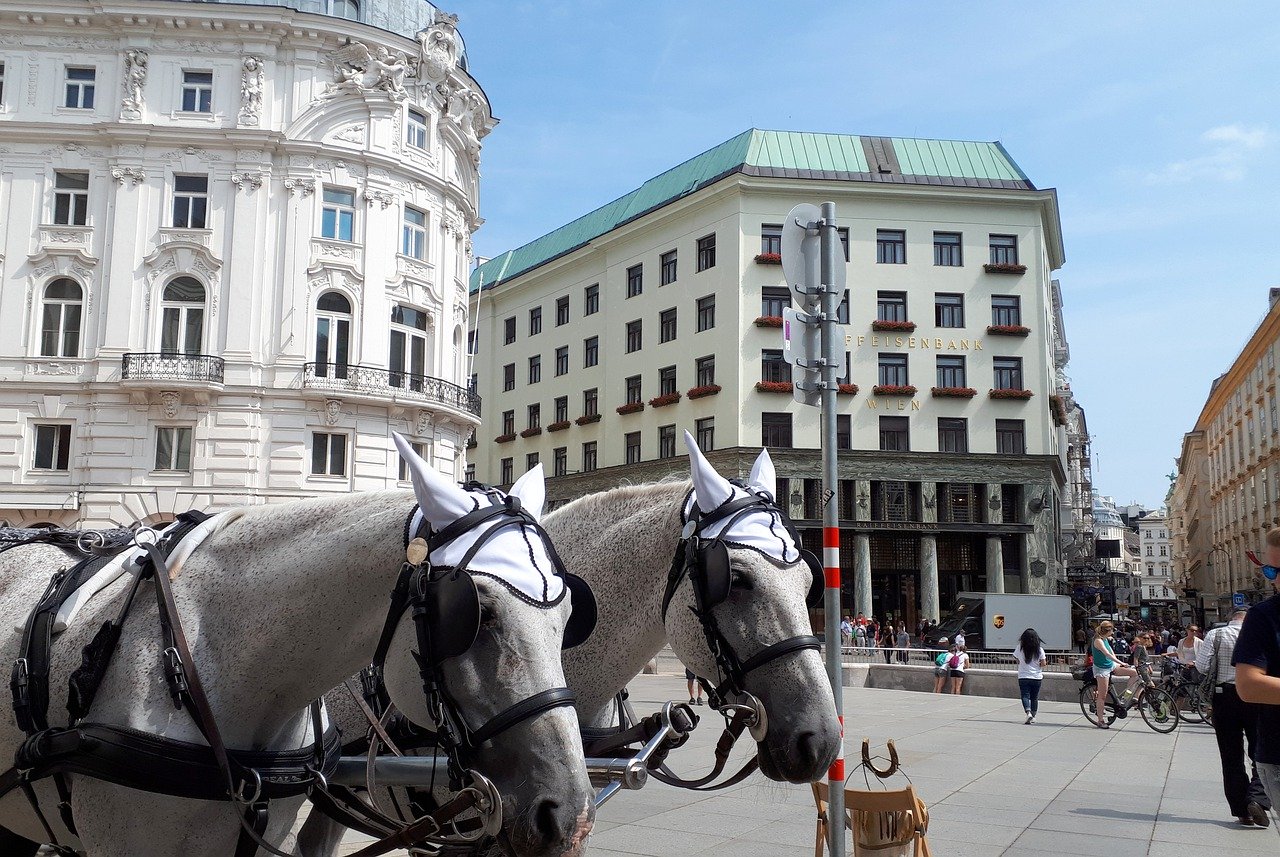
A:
(1264, 336)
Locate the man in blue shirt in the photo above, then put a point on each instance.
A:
(1257, 663)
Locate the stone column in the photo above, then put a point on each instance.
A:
(862, 573)
(929, 597)
(995, 564)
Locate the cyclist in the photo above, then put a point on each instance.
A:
(1106, 664)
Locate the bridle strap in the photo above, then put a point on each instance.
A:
(778, 650)
(539, 703)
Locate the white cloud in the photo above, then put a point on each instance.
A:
(1248, 138)
(1226, 161)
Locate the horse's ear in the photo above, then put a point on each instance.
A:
(441, 500)
(763, 476)
(709, 487)
(531, 488)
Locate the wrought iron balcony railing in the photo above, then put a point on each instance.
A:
(372, 381)
(172, 367)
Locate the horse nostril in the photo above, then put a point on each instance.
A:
(546, 824)
(807, 748)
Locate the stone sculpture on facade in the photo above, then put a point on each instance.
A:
(251, 82)
(438, 54)
(467, 109)
(135, 79)
(355, 69)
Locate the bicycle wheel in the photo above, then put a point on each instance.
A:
(1184, 696)
(1158, 710)
(1204, 704)
(1088, 705)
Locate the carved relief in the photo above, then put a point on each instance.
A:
(356, 69)
(202, 154)
(424, 425)
(306, 187)
(351, 134)
(385, 198)
(135, 79)
(332, 412)
(169, 403)
(438, 48)
(251, 82)
(130, 174)
(247, 181)
(467, 111)
(51, 367)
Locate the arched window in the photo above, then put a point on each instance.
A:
(182, 317)
(346, 9)
(408, 363)
(333, 335)
(60, 323)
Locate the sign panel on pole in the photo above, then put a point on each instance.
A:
(1237, 599)
(801, 347)
(802, 257)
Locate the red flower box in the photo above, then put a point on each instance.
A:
(1058, 409)
(1008, 330)
(704, 390)
(893, 390)
(587, 419)
(1004, 269)
(774, 386)
(896, 326)
(1010, 394)
(954, 392)
(664, 400)
(531, 432)
(847, 389)
(768, 258)
(559, 426)
(769, 321)
(505, 438)
(630, 408)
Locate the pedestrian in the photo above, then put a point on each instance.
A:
(860, 638)
(886, 641)
(1106, 664)
(904, 643)
(1081, 639)
(846, 632)
(1235, 725)
(1188, 649)
(1029, 653)
(956, 664)
(1257, 662)
(692, 681)
(959, 639)
(940, 669)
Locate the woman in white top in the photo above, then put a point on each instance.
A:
(1188, 648)
(1031, 659)
(957, 661)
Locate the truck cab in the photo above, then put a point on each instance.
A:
(967, 617)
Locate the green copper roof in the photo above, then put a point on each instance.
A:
(777, 154)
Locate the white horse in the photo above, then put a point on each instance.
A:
(280, 604)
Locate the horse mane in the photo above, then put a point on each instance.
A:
(627, 495)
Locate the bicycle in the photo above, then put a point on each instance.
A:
(1157, 707)
(1190, 695)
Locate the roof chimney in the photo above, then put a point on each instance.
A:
(1275, 296)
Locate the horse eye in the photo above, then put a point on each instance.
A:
(739, 580)
(488, 618)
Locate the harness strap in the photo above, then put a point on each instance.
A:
(737, 725)
(424, 827)
(779, 649)
(539, 703)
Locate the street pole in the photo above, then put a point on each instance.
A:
(830, 522)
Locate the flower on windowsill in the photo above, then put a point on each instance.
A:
(895, 326)
(774, 386)
(587, 419)
(1058, 409)
(847, 389)
(704, 390)
(1004, 268)
(1007, 330)
(531, 432)
(768, 258)
(954, 392)
(769, 321)
(630, 408)
(664, 399)
(559, 425)
(893, 390)
(1010, 394)
(505, 438)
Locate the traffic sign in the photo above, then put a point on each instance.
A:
(801, 347)
(1237, 599)
(802, 257)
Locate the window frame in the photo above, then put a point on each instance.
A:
(562, 310)
(189, 208)
(413, 234)
(560, 461)
(417, 129)
(1006, 315)
(422, 450)
(508, 377)
(560, 406)
(343, 213)
(895, 433)
(770, 239)
(634, 335)
(948, 310)
(59, 451)
(631, 447)
(199, 91)
(706, 313)
(535, 369)
(667, 325)
(1008, 373)
(667, 441)
(85, 88)
(328, 457)
(535, 320)
(777, 429)
(590, 456)
(591, 402)
(891, 246)
(509, 330)
(632, 387)
(667, 263)
(706, 252)
(667, 381)
(1011, 430)
(773, 300)
(562, 361)
(951, 428)
(63, 331)
(591, 299)
(338, 338)
(951, 370)
(77, 198)
(891, 306)
(183, 310)
(1003, 249)
(705, 370)
(948, 253)
(704, 433)
(773, 368)
(893, 369)
(590, 352)
(635, 281)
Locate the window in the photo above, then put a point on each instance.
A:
(591, 299)
(534, 416)
(894, 434)
(338, 214)
(667, 269)
(190, 201)
(560, 461)
(561, 408)
(842, 311)
(771, 238)
(948, 310)
(60, 319)
(414, 241)
(1004, 249)
(70, 198)
(633, 389)
(415, 130)
(1010, 437)
(844, 431)
(349, 9)
(893, 370)
(509, 422)
(182, 317)
(590, 402)
(420, 450)
(588, 456)
(631, 444)
(667, 441)
(666, 380)
(706, 313)
(328, 454)
(333, 335)
(891, 306)
(535, 321)
(707, 252)
(469, 473)
(562, 360)
(507, 471)
(775, 429)
(891, 246)
(951, 371)
(80, 86)
(1006, 310)
(197, 92)
(52, 447)
(508, 377)
(773, 367)
(173, 448)
(704, 432)
(408, 360)
(634, 336)
(667, 325)
(774, 300)
(530, 460)
(706, 370)
(535, 368)
(562, 310)
(635, 280)
(1008, 372)
(953, 434)
(590, 351)
(946, 249)
(1, 84)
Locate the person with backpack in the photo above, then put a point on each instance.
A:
(957, 662)
(940, 670)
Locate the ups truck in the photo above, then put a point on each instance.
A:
(994, 621)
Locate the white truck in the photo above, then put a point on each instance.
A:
(994, 621)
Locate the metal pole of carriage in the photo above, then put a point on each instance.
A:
(812, 263)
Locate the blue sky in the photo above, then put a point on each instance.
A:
(1156, 122)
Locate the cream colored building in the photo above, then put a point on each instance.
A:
(598, 343)
(234, 239)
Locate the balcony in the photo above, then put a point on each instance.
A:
(369, 381)
(193, 369)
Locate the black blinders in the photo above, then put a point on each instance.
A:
(450, 604)
(818, 587)
(712, 578)
(582, 621)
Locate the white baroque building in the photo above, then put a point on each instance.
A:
(234, 241)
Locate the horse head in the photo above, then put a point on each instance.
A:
(743, 590)
(502, 610)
